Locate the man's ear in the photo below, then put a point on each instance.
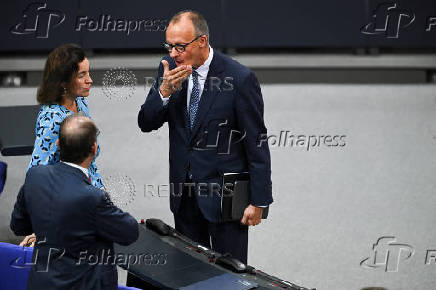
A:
(94, 148)
(57, 143)
(204, 39)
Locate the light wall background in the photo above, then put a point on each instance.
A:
(331, 203)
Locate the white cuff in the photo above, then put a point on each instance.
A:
(164, 100)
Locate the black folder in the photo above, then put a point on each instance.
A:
(235, 196)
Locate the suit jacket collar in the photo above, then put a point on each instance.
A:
(179, 101)
(72, 170)
(84, 170)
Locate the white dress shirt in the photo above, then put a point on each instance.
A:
(202, 71)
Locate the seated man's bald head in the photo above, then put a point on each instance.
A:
(77, 136)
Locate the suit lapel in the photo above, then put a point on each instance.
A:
(181, 110)
(208, 97)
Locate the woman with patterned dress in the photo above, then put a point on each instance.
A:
(65, 86)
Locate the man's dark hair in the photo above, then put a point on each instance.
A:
(60, 69)
(200, 24)
(77, 136)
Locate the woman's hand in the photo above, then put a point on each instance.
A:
(29, 241)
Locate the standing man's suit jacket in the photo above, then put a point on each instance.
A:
(229, 124)
(74, 223)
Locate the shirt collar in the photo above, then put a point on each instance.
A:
(84, 170)
(203, 69)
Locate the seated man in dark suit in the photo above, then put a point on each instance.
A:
(75, 223)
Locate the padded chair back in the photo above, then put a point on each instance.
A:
(15, 263)
(3, 167)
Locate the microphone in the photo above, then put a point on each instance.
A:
(163, 229)
(159, 227)
(233, 264)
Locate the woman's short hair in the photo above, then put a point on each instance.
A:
(60, 68)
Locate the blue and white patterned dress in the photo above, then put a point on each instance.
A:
(48, 122)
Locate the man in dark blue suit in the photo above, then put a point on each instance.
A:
(75, 223)
(214, 109)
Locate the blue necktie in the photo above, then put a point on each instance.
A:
(195, 97)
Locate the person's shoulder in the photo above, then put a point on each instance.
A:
(51, 113)
(51, 108)
(96, 196)
(76, 181)
(94, 192)
(231, 64)
(237, 72)
(37, 171)
(85, 194)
